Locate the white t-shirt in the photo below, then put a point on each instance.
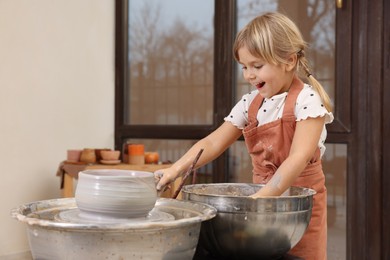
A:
(309, 104)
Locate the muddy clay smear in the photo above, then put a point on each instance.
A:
(236, 190)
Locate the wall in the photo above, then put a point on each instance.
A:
(56, 93)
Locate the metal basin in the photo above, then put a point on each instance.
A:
(245, 228)
(175, 237)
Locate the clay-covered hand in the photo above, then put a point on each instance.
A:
(257, 195)
(164, 177)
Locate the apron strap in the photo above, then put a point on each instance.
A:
(254, 108)
(291, 98)
(289, 107)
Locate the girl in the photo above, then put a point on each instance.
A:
(283, 122)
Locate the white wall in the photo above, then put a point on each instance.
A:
(56, 93)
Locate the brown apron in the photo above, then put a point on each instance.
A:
(269, 145)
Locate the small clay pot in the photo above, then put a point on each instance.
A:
(88, 156)
(110, 155)
(151, 157)
(98, 153)
(136, 153)
(73, 155)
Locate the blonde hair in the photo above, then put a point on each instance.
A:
(273, 37)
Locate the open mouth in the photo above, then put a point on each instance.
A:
(260, 85)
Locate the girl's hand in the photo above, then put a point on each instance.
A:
(164, 177)
(256, 195)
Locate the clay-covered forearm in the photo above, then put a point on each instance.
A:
(283, 178)
(305, 143)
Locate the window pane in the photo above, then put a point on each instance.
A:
(240, 164)
(170, 62)
(335, 168)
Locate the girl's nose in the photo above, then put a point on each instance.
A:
(249, 74)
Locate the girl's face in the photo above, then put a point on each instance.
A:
(269, 79)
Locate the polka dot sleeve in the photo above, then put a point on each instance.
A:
(238, 116)
(309, 104)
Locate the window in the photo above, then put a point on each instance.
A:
(170, 63)
(167, 87)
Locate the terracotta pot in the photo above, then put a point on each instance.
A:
(151, 157)
(110, 155)
(73, 155)
(98, 153)
(136, 153)
(88, 156)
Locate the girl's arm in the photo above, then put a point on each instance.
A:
(214, 144)
(305, 142)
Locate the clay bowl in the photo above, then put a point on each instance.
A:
(98, 153)
(116, 193)
(110, 155)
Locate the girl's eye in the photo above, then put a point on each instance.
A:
(243, 68)
(258, 67)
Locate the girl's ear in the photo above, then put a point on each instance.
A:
(291, 62)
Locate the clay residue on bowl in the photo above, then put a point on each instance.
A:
(240, 190)
(231, 190)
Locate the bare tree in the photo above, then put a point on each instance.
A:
(175, 58)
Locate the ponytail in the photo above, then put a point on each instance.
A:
(302, 66)
(321, 91)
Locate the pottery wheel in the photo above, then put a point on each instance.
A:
(77, 216)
